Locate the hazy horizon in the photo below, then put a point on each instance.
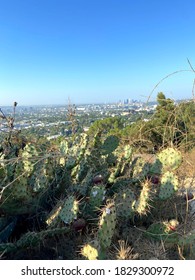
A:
(95, 51)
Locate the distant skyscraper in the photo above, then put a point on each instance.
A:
(126, 101)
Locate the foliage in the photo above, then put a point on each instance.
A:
(111, 125)
(170, 125)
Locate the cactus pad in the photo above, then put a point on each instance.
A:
(97, 196)
(141, 169)
(91, 250)
(168, 186)
(65, 211)
(107, 225)
(170, 159)
(142, 204)
(110, 144)
(125, 202)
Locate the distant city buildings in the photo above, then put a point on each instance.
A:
(52, 121)
(129, 101)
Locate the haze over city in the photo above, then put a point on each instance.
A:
(94, 51)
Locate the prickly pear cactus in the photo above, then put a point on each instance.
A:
(19, 188)
(110, 144)
(170, 159)
(65, 211)
(91, 250)
(71, 153)
(16, 197)
(168, 186)
(82, 146)
(141, 169)
(107, 224)
(125, 202)
(166, 231)
(142, 203)
(28, 239)
(82, 187)
(80, 171)
(53, 217)
(31, 174)
(70, 162)
(128, 152)
(96, 197)
(69, 210)
(29, 158)
(115, 172)
(7, 167)
(63, 147)
(126, 157)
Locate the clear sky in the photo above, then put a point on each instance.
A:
(94, 50)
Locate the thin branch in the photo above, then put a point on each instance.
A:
(190, 65)
(169, 75)
(3, 115)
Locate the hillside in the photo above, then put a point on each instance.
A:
(114, 192)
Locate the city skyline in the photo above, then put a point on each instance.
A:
(95, 51)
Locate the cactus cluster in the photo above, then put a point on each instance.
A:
(31, 175)
(99, 188)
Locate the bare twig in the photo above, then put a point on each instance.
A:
(190, 65)
(169, 75)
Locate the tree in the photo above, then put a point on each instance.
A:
(111, 125)
(161, 99)
(186, 121)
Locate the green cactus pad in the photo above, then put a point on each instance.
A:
(69, 210)
(96, 197)
(156, 167)
(142, 204)
(141, 169)
(107, 224)
(29, 158)
(110, 144)
(170, 159)
(82, 170)
(65, 210)
(63, 147)
(125, 202)
(128, 152)
(169, 185)
(162, 231)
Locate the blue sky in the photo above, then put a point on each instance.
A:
(94, 51)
